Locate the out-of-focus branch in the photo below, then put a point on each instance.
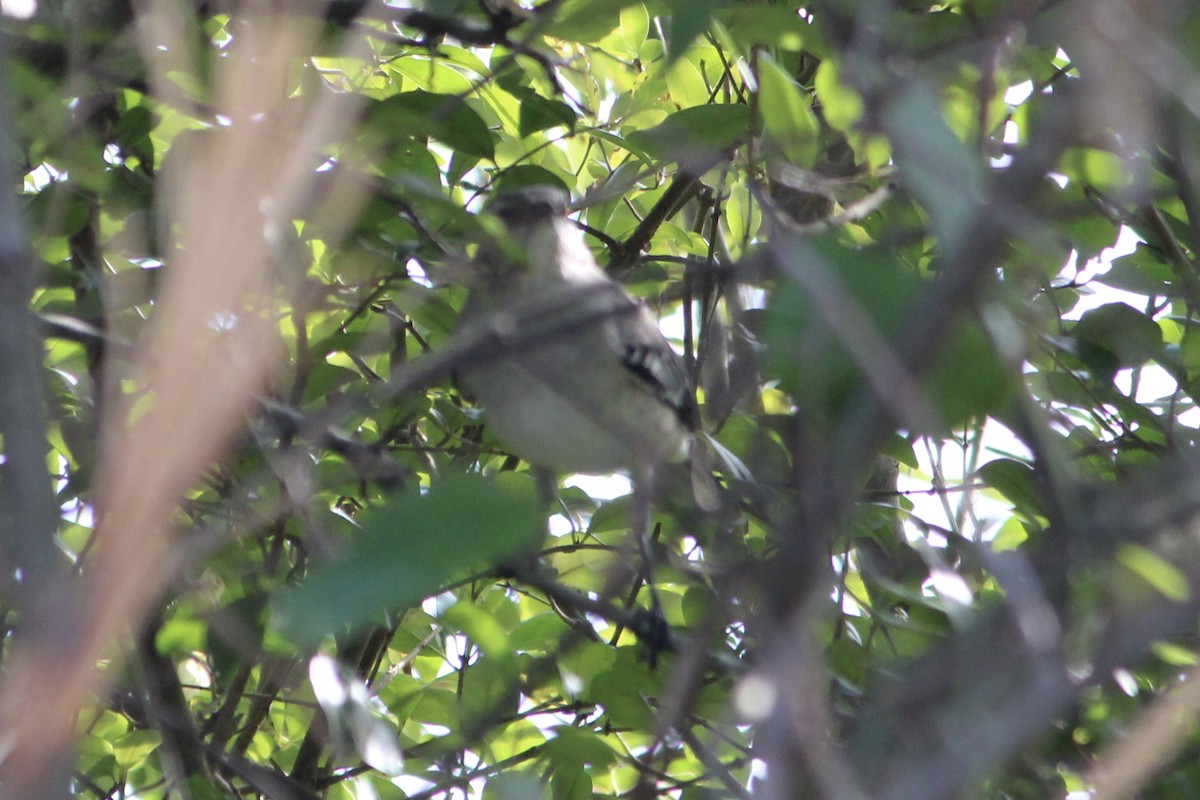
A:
(1157, 738)
(28, 514)
(204, 356)
(28, 517)
(970, 704)
(975, 223)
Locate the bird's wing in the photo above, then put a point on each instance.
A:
(648, 356)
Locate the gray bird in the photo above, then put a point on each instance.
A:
(589, 384)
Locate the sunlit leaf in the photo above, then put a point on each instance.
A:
(787, 114)
(1164, 576)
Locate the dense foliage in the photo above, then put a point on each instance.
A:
(932, 267)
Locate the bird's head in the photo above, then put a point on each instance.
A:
(534, 219)
(529, 206)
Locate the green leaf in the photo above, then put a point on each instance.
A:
(623, 689)
(1161, 574)
(1011, 535)
(1176, 655)
(135, 746)
(1017, 482)
(696, 605)
(445, 117)
(901, 449)
(698, 136)
(1117, 335)
(570, 783)
(969, 380)
(409, 547)
(529, 175)
(412, 159)
(586, 20)
(686, 84)
(1144, 271)
(514, 785)
(62, 208)
(437, 707)
(787, 114)
(485, 631)
(940, 171)
(579, 747)
(803, 351)
(325, 379)
(537, 114)
(489, 689)
(429, 74)
(635, 24)
(756, 24)
(181, 635)
(687, 19)
(841, 106)
(1098, 168)
(538, 634)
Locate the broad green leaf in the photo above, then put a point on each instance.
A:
(437, 707)
(803, 351)
(969, 380)
(1144, 271)
(409, 547)
(181, 635)
(940, 171)
(1176, 655)
(537, 114)
(570, 783)
(529, 175)
(514, 785)
(135, 746)
(431, 75)
(822, 362)
(635, 24)
(841, 106)
(538, 634)
(579, 747)
(412, 159)
(1098, 168)
(623, 690)
(93, 746)
(1017, 482)
(686, 84)
(323, 380)
(1189, 351)
(1011, 535)
(489, 688)
(787, 114)
(1117, 335)
(586, 20)
(486, 632)
(901, 449)
(445, 117)
(696, 137)
(758, 24)
(687, 19)
(1165, 577)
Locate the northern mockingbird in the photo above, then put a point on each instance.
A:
(587, 382)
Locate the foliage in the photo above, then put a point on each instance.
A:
(932, 266)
